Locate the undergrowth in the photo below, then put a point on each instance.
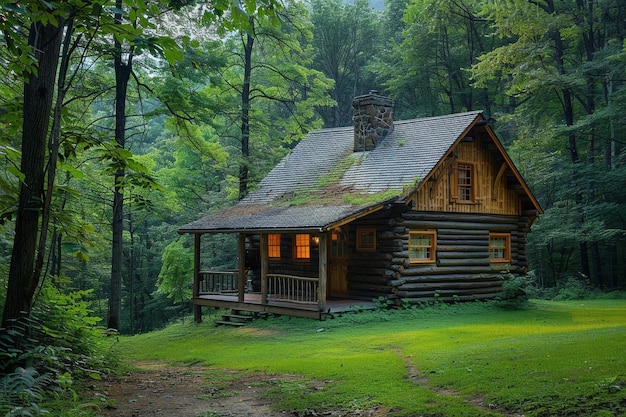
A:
(44, 354)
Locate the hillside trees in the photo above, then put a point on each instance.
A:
(564, 69)
(347, 39)
(47, 22)
(36, 60)
(269, 76)
(428, 72)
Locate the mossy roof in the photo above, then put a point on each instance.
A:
(322, 181)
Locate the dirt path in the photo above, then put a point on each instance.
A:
(183, 391)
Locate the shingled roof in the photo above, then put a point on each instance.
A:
(323, 181)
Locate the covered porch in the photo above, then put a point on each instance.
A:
(287, 294)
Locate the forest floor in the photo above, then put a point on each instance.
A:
(155, 389)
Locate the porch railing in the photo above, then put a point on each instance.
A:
(280, 287)
(218, 282)
(292, 288)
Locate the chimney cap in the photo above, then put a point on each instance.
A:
(373, 97)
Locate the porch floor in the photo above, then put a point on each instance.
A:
(252, 302)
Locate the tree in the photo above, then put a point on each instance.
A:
(346, 40)
(45, 29)
(427, 75)
(561, 96)
(271, 80)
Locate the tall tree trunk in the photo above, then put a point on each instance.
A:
(45, 41)
(123, 69)
(245, 112)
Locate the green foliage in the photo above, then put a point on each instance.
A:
(67, 322)
(22, 390)
(176, 272)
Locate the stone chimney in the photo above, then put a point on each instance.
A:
(373, 120)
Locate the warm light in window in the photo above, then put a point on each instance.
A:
(273, 246)
(302, 246)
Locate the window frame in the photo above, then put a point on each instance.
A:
(506, 249)
(296, 256)
(368, 246)
(432, 247)
(273, 246)
(470, 169)
(339, 245)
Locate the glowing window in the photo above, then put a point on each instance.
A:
(273, 246)
(339, 244)
(302, 247)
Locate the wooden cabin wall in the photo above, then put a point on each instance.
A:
(462, 270)
(493, 193)
(370, 273)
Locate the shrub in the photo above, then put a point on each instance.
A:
(513, 294)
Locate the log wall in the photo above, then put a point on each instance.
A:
(462, 270)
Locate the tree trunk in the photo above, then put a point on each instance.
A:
(38, 98)
(123, 69)
(245, 112)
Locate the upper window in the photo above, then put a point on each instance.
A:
(273, 246)
(465, 181)
(422, 246)
(499, 247)
(366, 239)
(302, 247)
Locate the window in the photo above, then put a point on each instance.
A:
(273, 246)
(366, 239)
(465, 181)
(302, 247)
(339, 244)
(499, 247)
(422, 246)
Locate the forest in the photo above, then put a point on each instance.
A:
(122, 120)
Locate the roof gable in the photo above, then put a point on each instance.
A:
(324, 162)
(323, 181)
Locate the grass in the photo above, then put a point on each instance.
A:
(555, 359)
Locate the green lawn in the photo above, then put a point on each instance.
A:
(553, 359)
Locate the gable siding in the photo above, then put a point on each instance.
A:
(492, 195)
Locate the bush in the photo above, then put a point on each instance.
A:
(40, 355)
(513, 294)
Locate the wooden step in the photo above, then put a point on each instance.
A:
(229, 323)
(238, 317)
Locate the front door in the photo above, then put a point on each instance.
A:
(338, 263)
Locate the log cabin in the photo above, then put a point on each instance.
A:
(411, 211)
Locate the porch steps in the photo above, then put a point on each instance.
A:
(238, 318)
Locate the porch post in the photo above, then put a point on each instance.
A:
(197, 310)
(241, 268)
(323, 271)
(264, 267)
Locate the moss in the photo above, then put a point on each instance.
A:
(364, 199)
(337, 172)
